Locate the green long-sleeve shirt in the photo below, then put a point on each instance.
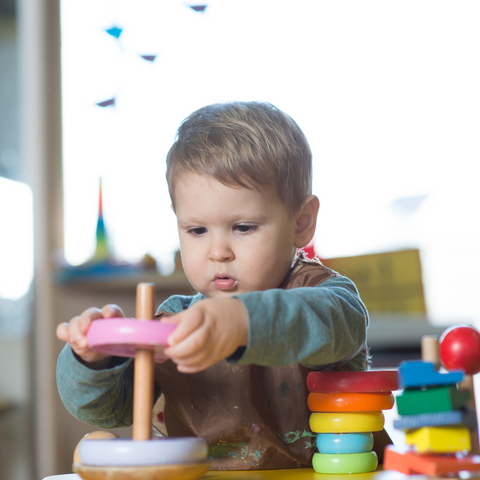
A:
(317, 326)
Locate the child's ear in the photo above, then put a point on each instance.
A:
(306, 221)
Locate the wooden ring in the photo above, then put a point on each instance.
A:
(122, 337)
(359, 442)
(183, 471)
(367, 381)
(350, 402)
(341, 422)
(123, 452)
(345, 463)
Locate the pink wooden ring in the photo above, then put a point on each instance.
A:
(121, 337)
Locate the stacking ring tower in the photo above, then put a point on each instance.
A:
(346, 408)
(139, 458)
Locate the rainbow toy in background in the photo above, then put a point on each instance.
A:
(103, 262)
(440, 428)
(102, 252)
(346, 408)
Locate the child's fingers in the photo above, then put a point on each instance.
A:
(198, 361)
(199, 367)
(193, 349)
(62, 332)
(74, 332)
(78, 326)
(188, 321)
(112, 311)
(87, 317)
(170, 319)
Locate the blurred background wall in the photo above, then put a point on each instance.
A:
(394, 92)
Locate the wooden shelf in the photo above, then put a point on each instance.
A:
(175, 283)
(388, 334)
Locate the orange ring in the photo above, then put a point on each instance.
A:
(350, 402)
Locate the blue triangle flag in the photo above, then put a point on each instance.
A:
(107, 103)
(114, 32)
(198, 8)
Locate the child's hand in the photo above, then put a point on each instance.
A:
(74, 332)
(209, 331)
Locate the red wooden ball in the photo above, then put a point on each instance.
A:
(459, 349)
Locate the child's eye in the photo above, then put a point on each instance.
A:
(197, 232)
(245, 229)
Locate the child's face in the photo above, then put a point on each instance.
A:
(233, 240)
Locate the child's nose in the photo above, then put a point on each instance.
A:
(220, 251)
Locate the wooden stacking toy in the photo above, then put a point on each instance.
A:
(346, 408)
(140, 458)
(437, 416)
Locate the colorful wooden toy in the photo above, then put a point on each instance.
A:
(406, 460)
(416, 373)
(464, 416)
(123, 337)
(359, 442)
(342, 422)
(95, 435)
(182, 471)
(120, 453)
(350, 402)
(139, 458)
(440, 448)
(344, 463)
(438, 399)
(459, 348)
(446, 439)
(368, 381)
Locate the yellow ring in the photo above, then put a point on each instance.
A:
(341, 422)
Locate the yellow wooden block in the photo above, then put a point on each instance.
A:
(448, 439)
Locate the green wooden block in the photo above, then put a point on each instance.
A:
(439, 399)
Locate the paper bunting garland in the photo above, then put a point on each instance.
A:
(198, 8)
(149, 58)
(114, 32)
(107, 103)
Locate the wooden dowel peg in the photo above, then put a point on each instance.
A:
(429, 346)
(143, 386)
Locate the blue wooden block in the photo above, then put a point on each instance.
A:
(416, 373)
(463, 416)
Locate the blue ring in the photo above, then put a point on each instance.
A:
(345, 442)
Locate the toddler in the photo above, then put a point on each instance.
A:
(239, 176)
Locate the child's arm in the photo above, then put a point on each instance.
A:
(316, 326)
(313, 325)
(103, 398)
(95, 388)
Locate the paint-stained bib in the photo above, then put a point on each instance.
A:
(252, 417)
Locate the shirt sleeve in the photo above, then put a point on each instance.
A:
(99, 397)
(316, 326)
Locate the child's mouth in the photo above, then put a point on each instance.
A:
(224, 283)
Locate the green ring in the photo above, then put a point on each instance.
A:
(345, 462)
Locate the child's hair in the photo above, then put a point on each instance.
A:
(244, 144)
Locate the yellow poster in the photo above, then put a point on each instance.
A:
(387, 282)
